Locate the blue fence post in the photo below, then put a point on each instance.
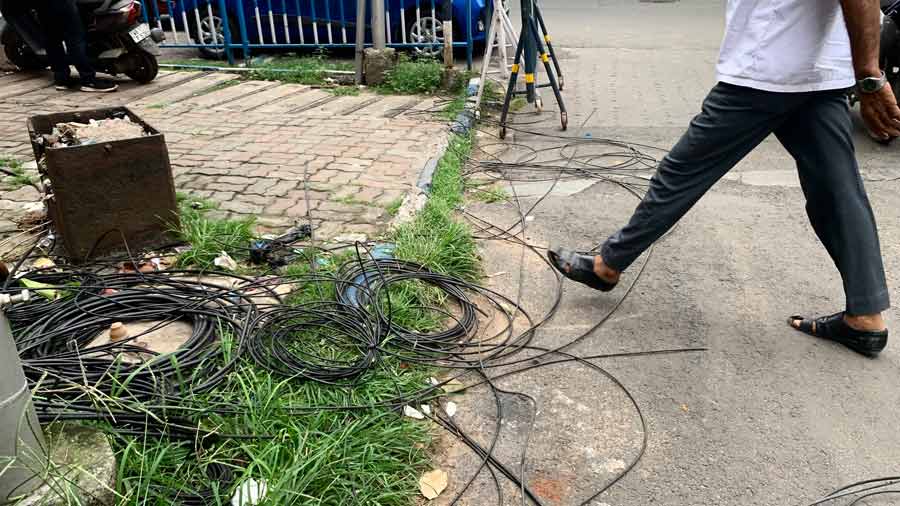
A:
(315, 22)
(226, 30)
(155, 12)
(242, 26)
(470, 44)
(343, 23)
(388, 27)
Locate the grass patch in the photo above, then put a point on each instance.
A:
(345, 91)
(308, 455)
(490, 195)
(393, 208)
(456, 106)
(310, 70)
(209, 236)
(411, 77)
(435, 238)
(14, 170)
(517, 104)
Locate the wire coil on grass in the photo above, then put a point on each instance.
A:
(57, 340)
(322, 341)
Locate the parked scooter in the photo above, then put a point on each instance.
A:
(118, 41)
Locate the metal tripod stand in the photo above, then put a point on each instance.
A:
(533, 27)
(501, 36)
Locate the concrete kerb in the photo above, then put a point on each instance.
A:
(415, 201)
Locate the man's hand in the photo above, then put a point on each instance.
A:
(880, 112)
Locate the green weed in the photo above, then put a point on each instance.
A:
(209, 236)
(412, 77)
(345, 91)
(15, 172)
(301, 70)
(394, 207)
(490, 195)
(435, 238)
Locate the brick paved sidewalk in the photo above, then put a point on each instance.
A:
(251, 145)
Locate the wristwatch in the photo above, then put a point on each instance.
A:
(871, 84)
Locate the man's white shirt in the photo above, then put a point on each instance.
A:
(786, 46)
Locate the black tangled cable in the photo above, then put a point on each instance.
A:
(333, 342)
(62, 352)
(858, 492)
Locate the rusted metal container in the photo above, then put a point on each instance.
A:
(108, 195)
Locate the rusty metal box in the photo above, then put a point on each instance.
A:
(109, 194)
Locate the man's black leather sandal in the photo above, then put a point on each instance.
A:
(578, 267)
(834, 328)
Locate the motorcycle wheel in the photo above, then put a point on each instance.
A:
(142, 67)
(20, 54)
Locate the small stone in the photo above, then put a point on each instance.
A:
(250, 493)
(351, 238)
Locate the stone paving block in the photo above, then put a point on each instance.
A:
(247, 148)
(240, 207)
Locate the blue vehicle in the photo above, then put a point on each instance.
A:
(312, 23)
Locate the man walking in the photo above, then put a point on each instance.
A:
(62, 23)
(783, 69)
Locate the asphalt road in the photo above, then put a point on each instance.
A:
(766, 416)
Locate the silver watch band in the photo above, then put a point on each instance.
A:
(871, 84)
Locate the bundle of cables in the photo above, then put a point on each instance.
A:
(861, 491)
(77, 375)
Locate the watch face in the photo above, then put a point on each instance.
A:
(870, 85)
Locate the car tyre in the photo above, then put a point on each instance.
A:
(207, 29)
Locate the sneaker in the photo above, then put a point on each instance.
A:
(68, 84)
(99, 86)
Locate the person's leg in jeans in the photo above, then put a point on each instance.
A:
(733, 121)
(820, 138)
(62, 21)
(53, 42)
(76, 44)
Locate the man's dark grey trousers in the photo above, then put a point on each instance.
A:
(816, 130)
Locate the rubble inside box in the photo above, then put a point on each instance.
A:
(73, 133)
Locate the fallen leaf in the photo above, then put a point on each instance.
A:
(44, 290)
(425, 408)
(432, 483)
(413, 413)
(450, 409)
(453, 386)
(43, 263)
(225, 262)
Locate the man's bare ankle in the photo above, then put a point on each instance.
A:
(605, 272)
(871, 323)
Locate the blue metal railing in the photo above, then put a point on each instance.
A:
(222, 28)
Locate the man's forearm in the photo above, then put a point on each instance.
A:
(863, 24)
